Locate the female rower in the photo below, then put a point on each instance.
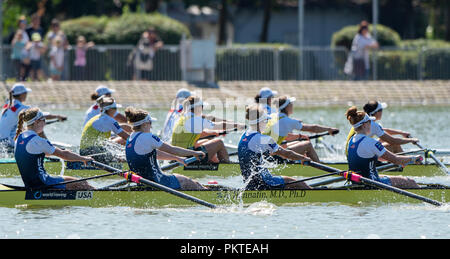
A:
(143, 149)
(174, 113)
(364, 151)
(264, 98)
(10, 114)
(280, 127)
(192, 126)
(252, 149)
(31, 149)
(95, 108)
(385, 135)
(375, 109)
(97, 132)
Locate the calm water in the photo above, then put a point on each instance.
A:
(261, 220)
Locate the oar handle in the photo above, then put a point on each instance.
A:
(313, 136)
(173, 165)
(220, 134)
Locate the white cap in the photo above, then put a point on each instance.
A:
(380, 106)
(183, 93)
(364, 120)
(266, 92)
(288, 101)
(19, 88)
(148, 118)
(102, 90)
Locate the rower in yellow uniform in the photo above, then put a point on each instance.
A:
(374, 108)
(280, 127)
(192, 126)
(97, 132)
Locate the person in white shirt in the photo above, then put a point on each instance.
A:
(10, 113)
(281, 127)
(94, 110)
(254, 148)
(265, 97)
(361, 45)
(375, 109)
(393, 143)
(364, 152)
(193, 131)
(143, 149)
(96, 134)
(31, 149)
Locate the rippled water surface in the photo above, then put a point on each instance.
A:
(260, 220)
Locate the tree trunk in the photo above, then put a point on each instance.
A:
(266, 20)
(223, 23)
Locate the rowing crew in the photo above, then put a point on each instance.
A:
(143, 149)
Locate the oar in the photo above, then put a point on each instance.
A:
(220, 134)
(53, 121)
(354, 177)
(163, 168)
(429, 153)
(336, 179)
(311, 137)
(138, 179)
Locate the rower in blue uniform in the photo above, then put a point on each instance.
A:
(143, 149)
(31, 149)
(364, 151)
(252, 149)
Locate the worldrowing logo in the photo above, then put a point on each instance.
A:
(37, 195)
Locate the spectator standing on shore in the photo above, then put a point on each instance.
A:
(55, 31)
(80, 58)
(56, 58)
(35, 26)
(142, 56)
(18, 46)
(361, 45)
(36, 49)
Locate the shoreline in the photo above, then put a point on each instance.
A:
(159, 94)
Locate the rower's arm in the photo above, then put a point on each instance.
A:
(70, 156)
(397, 159)
(397, 140)
(121, 118)
(396, 132)
(291, 155)
(315, 128)
(161, 155)
(178, 151)
(124, 135)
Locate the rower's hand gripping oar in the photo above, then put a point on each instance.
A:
(354, 177)
(138, 179)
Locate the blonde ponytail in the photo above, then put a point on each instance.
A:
(24, 116)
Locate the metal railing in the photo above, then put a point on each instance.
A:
(112, 62)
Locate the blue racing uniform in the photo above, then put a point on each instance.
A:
(141, 153)
(252, 149)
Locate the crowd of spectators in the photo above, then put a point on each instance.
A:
(39, 56)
